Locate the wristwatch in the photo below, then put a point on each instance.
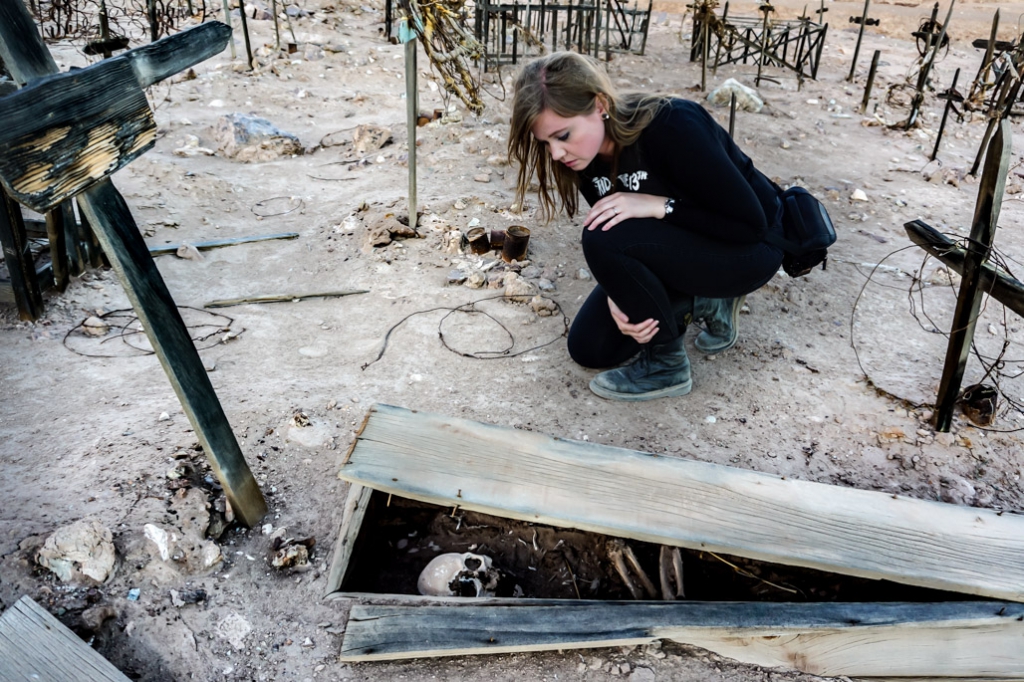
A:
(670, 205)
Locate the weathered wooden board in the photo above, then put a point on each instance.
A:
(670, 501)
(951, 639)
(36, 646)
(173, 54)
(351, 521)
(25, 289)
(63, 132)
(996, 283)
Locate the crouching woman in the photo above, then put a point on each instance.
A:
(676, 223)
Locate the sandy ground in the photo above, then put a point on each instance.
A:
(831, 380)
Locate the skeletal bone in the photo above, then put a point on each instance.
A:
(670, 567)
(459, 575)
(635, 565)
(615, 554)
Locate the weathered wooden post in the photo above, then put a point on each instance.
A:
(871, 81)
(407, 35)
(950, 96)
(968, 303)
(732, 115)
(922, 76)
(18, 258)
(860, 36)
(61, 136)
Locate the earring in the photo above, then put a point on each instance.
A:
(605, 116)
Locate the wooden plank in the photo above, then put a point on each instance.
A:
(670, 501)
(997, 284)
(949, 639)
(18, 258)
(173, 54)
(170, 249)
(56, 233)
(115, 228)
(351, 522)
(36, 646)
(64, 132)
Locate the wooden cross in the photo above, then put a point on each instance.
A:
(61, 136)
(979, 276)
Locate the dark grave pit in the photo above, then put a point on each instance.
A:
(398, 537)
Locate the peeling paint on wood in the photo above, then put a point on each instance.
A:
(63, 133)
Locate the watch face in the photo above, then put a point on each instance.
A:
(670, 205)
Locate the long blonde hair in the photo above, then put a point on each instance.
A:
(569, 84)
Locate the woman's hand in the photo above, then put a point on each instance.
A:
(642, 332)
(614, 208)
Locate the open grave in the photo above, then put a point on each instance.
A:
(773, 571)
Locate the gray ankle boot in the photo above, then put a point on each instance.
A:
(720, 322)
(658, 372)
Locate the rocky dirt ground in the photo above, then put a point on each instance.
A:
(831, 381)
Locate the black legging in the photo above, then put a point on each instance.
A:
(643, 264)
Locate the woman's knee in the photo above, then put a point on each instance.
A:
(582, 352)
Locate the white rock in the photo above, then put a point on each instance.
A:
(82, 552)
(235, 629)
(858, 195)
(161, 539)
(94, 326)
(747, 99)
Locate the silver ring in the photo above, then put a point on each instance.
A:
(615, 211)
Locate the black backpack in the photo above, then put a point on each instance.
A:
(807, 232)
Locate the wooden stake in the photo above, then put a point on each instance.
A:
(411, 111)
(109, 215)
(277, 26)
(968, 303)
(860, 35)
(227, 20)
(871, 81)
(933, 51)
(281, 298)
(732, 115)
(154, 30)
(945, 113)
(18, 258)
(986, 63)
(704, 52)
(245, 33)
(55, 234)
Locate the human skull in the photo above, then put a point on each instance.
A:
(459, 575)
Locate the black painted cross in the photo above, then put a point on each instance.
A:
(62, 135)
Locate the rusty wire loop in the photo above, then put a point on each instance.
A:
(125, 320)
(995, 368)
(297, 204)
(469, 308)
